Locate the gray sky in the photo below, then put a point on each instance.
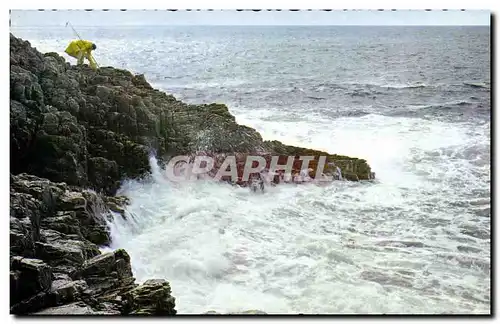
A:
(21, 18)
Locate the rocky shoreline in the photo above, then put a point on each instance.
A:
(75, 135)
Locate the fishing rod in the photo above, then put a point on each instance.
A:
(69, 24)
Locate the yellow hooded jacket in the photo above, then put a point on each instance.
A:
(80, 49)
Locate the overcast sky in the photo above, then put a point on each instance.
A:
(21, 18)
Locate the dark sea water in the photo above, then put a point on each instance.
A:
(413, 101)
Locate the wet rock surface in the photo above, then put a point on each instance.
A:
(56, 266)
(75, 135)
(150, 298)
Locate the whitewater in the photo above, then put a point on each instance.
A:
(416, 240)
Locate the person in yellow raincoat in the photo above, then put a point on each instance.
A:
(82, 49)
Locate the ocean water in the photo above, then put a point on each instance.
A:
(413, 101)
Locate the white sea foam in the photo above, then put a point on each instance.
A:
(288, 251)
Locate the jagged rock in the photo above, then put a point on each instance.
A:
(28, 277)
(73, 201)
(39, 188)
(36, 302)
(60, 225)
(21, 237)
(110, 280)
(351, 176)
(117, 204)
(79, 212)
(64, 222)
(91, 218)
(25, 217)
(66, 290)
(103, 173)
(151, 298)
(64, 250)
(106, 263)
(107, 272)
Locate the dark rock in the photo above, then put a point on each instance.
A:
(25, 217)
(106, 263)
(66, 291)
(28, 277)
(60, 225)
(73, 201)
(350, 176)
(65, 222)
(69, 212)
(107, 272)
(21, 237)
(151, 298)
(117, 204)
(67, 252)
(103, 173)
(36, 302)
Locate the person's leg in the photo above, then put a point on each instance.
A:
(80, 58)
(92, 62)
